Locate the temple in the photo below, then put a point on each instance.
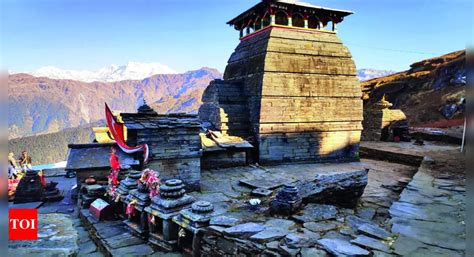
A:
(290, 87)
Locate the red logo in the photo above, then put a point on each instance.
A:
(22, 224)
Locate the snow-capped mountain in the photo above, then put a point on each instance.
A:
(368, 74)
(130, 71)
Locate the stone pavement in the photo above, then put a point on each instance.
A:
(430, 215)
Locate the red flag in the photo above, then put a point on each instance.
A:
(117, 130)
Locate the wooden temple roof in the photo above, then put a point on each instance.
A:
(295, 6)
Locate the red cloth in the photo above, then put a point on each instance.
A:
(43, 181)
(114, 162)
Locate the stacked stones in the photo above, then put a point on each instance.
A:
(303, 95)
(191, 221)
(91, 191)
(287, 202)
(174, 143)
(225, 106)
(124, 188)
(29, 188)
(378, 119)
(138, 221)
(172, 199)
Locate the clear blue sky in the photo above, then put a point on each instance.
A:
(189, 34)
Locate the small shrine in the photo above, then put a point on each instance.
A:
(382, 123)
(123, 190)
(190, 222)
(32, 187)
(287, 202)
(91, 191)
(138, 199)
(171, 200)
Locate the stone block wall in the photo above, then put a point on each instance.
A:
(174, 144)
(303, 95)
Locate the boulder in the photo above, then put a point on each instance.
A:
(342, 189)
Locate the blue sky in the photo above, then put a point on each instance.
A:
(189, 34)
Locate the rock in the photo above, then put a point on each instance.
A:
(312, 252)
(316, 212)
(56, 237)
(343, 189)
(268, 235)
(244, 230)
(347, 231)
(428, 160)
(341, 247)
(319, 226)
(368, 242)
(336, 234)
(366, 213)
(288, 251)
(374, 231)
(134, 250)
(123, 240)
(274, 245)
(355, 222)
(86, 248)
(281, 224)
(298, 240)
(224, 221)
(382, 254)
(262, 192)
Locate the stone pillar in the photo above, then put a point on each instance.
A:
(321, 25)
(272, 19)
(306, 23)
(241, 33)
(261, 23)
(334, 26)
(290, 21)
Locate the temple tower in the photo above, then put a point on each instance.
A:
(290, 87)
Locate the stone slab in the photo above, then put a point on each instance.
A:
(340, 247)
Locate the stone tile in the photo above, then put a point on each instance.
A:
(313, 252)
(298, 240)
(366, 213)
(224, 221)
(340, 247)
(134, 250)
(244, 230)
(210, 197)
(319, 226)
(87, 247)
(280, 224)
(316, 212)
(268, 235)
(368, 242)
(373, 231)
(123, 240)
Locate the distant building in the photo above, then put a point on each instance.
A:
(290, 87)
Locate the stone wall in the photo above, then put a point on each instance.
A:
(302, 94)
(174, 144)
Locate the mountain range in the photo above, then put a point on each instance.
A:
(39, 105)
(368, 74)
(52, 99)
(112, 73)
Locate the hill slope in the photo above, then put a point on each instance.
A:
(432, 91)
(44, 105)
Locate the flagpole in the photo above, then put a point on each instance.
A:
(463, 136)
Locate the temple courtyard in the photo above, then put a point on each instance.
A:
(413, 204)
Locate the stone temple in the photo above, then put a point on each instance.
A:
(290, 87)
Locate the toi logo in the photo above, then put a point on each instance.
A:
(22, 224)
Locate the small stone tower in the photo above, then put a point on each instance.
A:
(290, 87)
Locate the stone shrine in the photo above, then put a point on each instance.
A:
(287, 202)
(174, 142)
(124, 188)
(290, 87)
(381, 122)
(191, 221)
(137, 220)
(166, 205)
